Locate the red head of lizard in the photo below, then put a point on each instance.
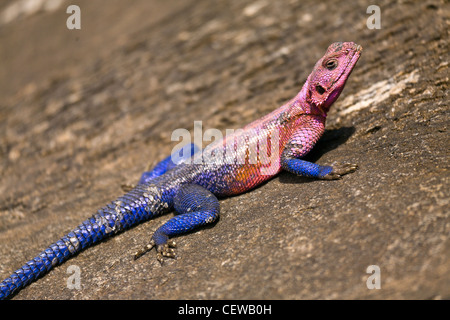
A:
(331, 72)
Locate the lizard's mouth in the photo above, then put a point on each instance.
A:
(336, 88)
(350, 64)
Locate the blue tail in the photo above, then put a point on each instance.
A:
(111, 219)
(121, 214)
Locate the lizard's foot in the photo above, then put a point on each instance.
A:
(339, 170)
(166, 250)
(196, 206)
(163, 250)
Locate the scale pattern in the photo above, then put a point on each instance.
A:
(230, 166)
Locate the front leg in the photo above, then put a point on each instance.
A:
(312, 170)
(300, 143)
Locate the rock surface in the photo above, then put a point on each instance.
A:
(84, 111)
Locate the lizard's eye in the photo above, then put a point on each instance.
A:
(331, 64)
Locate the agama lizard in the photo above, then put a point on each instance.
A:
(192, 186)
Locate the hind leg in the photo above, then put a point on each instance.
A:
(163, 166)
(168, 163)
(195, 207)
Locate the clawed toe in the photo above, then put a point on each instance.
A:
(127, 187)
(341, 169)
(164, 250)
(144, 250)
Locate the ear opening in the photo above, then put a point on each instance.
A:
(320, 90)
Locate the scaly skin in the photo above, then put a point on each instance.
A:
(230, 166)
